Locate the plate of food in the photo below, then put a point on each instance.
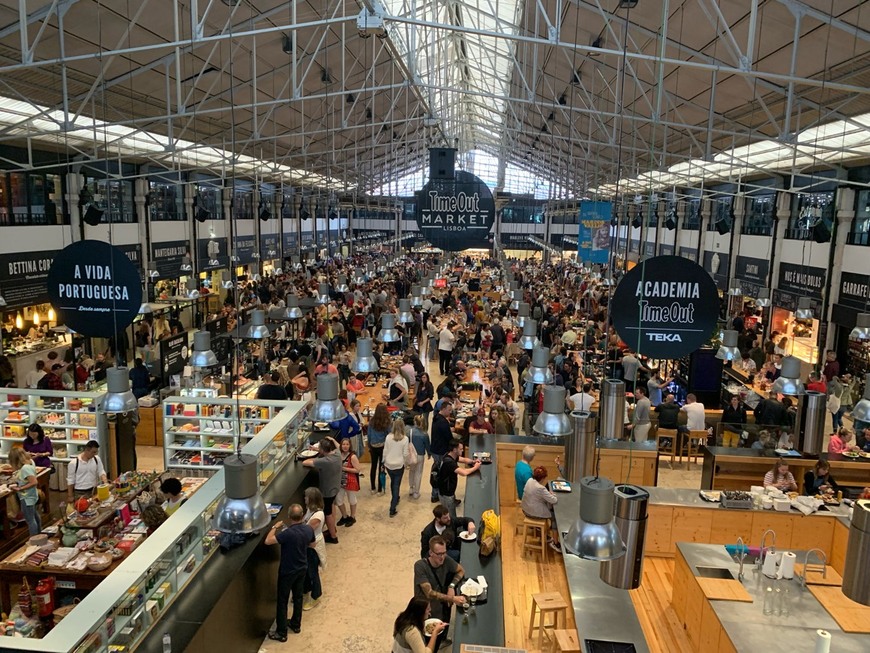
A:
(308, 453)
(850, 454)
(864, 454)
(485, 457)
(429, 626)
(713, 496)
(465, 536)
(321, 426)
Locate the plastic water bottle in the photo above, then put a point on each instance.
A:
(167, 643)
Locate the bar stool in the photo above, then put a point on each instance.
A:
(547, 603)
(535, 536)
(566, 641)
(662, 434)
(694, 440)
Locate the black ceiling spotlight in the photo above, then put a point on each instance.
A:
(333, 215)
(265, 213)
(723, 226)
(351, 98)
(623, 4)
(598, 42)
(202, 214)
(93, 216)
(671, 222)
(287, 43)
(368, 114)
(303, 212)
(562, 100)
(821, 233)
(635, 221)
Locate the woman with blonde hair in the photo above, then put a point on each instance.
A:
(420, 442)
(395, 454)
(24, 483)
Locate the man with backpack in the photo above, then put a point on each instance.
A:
(449, 472)
(442, 434)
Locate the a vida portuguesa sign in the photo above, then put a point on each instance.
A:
(94, 288)
(455, 214)
(665, 307)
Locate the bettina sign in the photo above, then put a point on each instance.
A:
(665, 307)
(94, 288)
(456, 214)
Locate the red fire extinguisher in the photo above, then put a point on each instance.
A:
(45, 596)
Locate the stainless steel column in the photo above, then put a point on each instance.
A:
(630, 517)
(611, 414)
(810, 422)
(856, 572)
(580, 446)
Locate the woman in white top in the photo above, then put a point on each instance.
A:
(395, 452)
(538, 502)
(314, 517)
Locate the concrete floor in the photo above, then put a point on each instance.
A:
(368, 579)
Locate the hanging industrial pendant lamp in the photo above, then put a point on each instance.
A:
(242, 509)
(342, 284)
(804, 309)
(388, 331)
(293, 310)
(553, 420)
(322, 294)
(529, 339)
(728, 351)
(405, 316)
(594, 536)
(327, 406)
(522, 314)
(861, 410)
(763, 299)
(202, 355)
(416, 296)
(735, 290)
(257, 329)
(789, 381)
(862, 327)
(365, 362)
(119, 398)
(539, 371)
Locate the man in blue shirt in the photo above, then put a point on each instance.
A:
(523, 470)
(292, 570)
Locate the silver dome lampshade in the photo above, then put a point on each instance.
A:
(359, 276)
(594, 535)
(242, 509)
(388, 331)
(322, 294)
(529, 339)
(728, 350)
(763, 299)
(516, 296)
(257, 329)
(553, 420)
(364, 362)
(202, 355)
(405, 316)
(119, 398)
(327, 405)
(416, 296)
(862, 327)
(539, 371)
(789, 381)
(861, 410)
(293, 310)
(522, 314)
(804, 309)
(342, 284)
(735, 290)
(145, 309)
(296, 264)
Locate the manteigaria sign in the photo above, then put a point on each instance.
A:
(455, 214)
(665, 307)
(94, 288)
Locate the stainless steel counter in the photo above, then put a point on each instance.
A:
(750, 630)
(686, 498)
(600, 611)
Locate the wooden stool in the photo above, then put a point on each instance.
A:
(566, 641)
(547, 603)
(694, 440)
(662, 434)
(535, 536)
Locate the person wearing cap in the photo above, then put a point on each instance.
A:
(85, 472)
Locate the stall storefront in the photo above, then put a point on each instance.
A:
(854, 298)
(796, 281)
(750, 276)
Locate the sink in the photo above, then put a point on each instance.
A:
(715, 572)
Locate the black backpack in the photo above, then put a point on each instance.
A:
(433, 474)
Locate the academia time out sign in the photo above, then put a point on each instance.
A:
(94, 288)
(455, 214)
(665, 307)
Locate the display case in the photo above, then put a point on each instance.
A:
(125, 610)
(859, 358)
(199, 432)
(68, 418)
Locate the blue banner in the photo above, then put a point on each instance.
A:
(593, 238)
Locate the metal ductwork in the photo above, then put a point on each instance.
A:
(630, 512)
(580, 446)
(611, 414)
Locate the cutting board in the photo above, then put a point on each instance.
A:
(722, 589)
(850, 616)
(815, 577)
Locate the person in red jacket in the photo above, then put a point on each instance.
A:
(817, 383)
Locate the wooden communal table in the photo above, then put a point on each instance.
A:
(43, 475)
(12, 573)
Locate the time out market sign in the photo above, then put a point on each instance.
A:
(665, 307)
(455, 214)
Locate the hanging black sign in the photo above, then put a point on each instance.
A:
(166, 258)
(456, 214)
(665, 307)
(516, 240)
(801, 279)
(649, 249)
(634, 245)
(269, 246)
(716, 265)
(211, 254)
(854, 290)
(94, 288)
(23, 276)
(244, 248)
(752, 269)
(666, 250)
(173, 354)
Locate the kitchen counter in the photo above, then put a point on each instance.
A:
(486, 627)
(750, 630)
(601, 612)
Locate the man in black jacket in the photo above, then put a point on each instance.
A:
(443, 525)
(669, 414)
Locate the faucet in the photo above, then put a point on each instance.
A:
(741, 555)
(763, 548)
(821, 567)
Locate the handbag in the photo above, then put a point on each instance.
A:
(833, 404)
(410, 455)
